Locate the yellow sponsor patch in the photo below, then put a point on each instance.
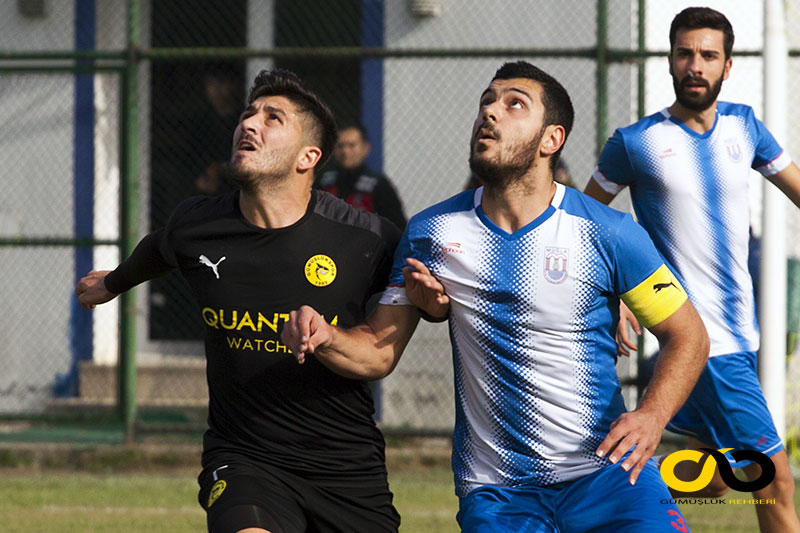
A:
(656, 298)
(216, 491)
(320, 270)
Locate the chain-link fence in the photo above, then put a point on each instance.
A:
(102, 99)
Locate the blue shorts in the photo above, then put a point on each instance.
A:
(603, 501)
(727, 409)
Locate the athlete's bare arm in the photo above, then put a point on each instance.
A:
(92, 291)
(594, 190)
(684, 351)
(788, 181)
(368, 351)
(373, 349)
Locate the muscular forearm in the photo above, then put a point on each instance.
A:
(368, 351)
(145, 262)
(683, 356)
(358, 353)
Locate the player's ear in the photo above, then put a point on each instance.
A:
(669, 60)
(727, 69)
(308, 158)
(552, 139)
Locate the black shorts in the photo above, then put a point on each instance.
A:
(240, 495)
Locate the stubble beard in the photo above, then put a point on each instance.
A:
(251, 180)
(695, 104)
(495, 174)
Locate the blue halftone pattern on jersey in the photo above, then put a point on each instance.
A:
(524, 434)
(426, 229)
(664, 219)
(712, 190)
(463, 455)
(508, 366)
(594, 386)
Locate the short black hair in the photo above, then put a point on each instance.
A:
(280, 82)
(694, 18)
(558, 108)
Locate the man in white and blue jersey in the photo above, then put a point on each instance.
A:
(688, 167)
(529, 274)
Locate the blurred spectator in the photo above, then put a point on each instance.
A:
(213, 129)
(561, 175)
(754, 261)
(359, 186)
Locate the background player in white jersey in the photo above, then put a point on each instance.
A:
(529, 273)
(688, 167)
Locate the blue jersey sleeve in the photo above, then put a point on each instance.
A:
(641, 278)
(767, 148)
(614, 163)
(634, 255)
(402, 251)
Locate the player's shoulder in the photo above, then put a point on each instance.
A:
(580, 205)
(463, 201)
(197, 208)
(734, 109)
(643, 124)
(336, 210)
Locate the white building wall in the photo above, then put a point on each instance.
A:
(36, 158)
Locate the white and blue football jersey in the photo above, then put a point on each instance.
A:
(532, 325)
(690, 192)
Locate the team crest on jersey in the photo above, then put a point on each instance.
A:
(555, 264)
(216, 491)
(734, 150)
(320, 270)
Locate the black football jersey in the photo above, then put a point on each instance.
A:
(262, 403)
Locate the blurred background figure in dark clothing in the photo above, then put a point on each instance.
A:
(214, 127)
(359, 186)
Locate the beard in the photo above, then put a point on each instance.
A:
(700, 103)
(268, 174)
(495, 173)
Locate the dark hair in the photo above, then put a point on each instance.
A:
(557, 103)
(694, 18)
(352, 125)
(280, 82)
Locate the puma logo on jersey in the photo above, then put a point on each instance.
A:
(658, 286)
(213, 266)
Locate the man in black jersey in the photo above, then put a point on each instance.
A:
(289, 448)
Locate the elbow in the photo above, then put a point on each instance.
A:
(372, 369)
(706, 350)
(384, 364)
(705, 343)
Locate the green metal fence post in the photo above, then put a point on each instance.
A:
(641, 383)
(129, 223)
(642, 63)
(602, 74)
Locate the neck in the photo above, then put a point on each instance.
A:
(699, 121)
(518, 204)
(276, 205)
